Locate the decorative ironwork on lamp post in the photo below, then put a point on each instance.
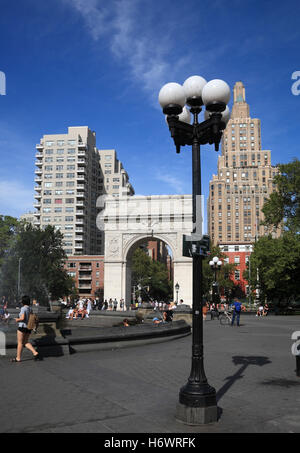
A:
(197, 399)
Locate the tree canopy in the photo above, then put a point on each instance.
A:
(40, 256)
(275, 266)
(283, 204)
(152, 275)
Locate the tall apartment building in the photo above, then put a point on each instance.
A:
(244, 180)
(71, 174)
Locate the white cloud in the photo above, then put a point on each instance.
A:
(174, 182)
(135, 40)
(15, 198)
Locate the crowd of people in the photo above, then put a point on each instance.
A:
(263, 310)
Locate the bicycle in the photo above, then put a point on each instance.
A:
(225, 318)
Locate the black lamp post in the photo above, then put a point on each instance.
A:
(197, 399)
(177, 289)
(215, 265)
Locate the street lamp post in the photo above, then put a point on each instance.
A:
(177, 289)
(197, 399)
(215, 265)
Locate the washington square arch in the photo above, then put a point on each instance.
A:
(129, 221)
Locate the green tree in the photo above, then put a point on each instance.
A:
(9, 227)
(275, 266)
(283, 204)
(150, 274)
(42, 267)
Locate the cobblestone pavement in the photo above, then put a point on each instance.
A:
(135, 390)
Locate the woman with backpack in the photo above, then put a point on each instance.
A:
(23, 332)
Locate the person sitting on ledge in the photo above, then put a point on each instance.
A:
(125, 323)
(157, 321)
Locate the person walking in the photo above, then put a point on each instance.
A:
(115, 303)
(237, 308)
(23, 332)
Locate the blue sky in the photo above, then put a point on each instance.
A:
(102, 64)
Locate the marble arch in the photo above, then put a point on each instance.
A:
(128, 221)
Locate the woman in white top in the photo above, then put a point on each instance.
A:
(23, 333)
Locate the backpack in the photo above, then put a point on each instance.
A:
(237, 307)
(33, 321)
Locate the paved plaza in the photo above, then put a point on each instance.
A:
(135, 389)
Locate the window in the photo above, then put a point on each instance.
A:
(70, 183)
(68, 227)
(60, 142)
(70, 167)
(46, 219)
(49, 151)
(70, 192)
(58, 192)
(71, 142)
(69, 209)
(48, 176)
(59, 175)
(58, 201)
(236, 248)
(108, 157)
(58, 184)
(70, 175)
(237, 259)
(47, 192)
(57, 210)
(69, 200)
(60, 151)
(71, 150)
(49, 143)
(59, 167)
(236, 275)
(47, 200)
(47, 210)
(72, 265)
(69, 218)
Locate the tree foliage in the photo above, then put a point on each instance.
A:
(41, 258)
(283, 204)
(152, 275)
(275, 266)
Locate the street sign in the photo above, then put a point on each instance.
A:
(191, 247)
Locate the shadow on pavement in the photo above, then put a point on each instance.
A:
(286, 383)
(244, 361)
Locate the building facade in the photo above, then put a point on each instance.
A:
(71, 173)
(244, 180)
(88, 274)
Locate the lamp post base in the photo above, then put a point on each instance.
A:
(196, 415)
